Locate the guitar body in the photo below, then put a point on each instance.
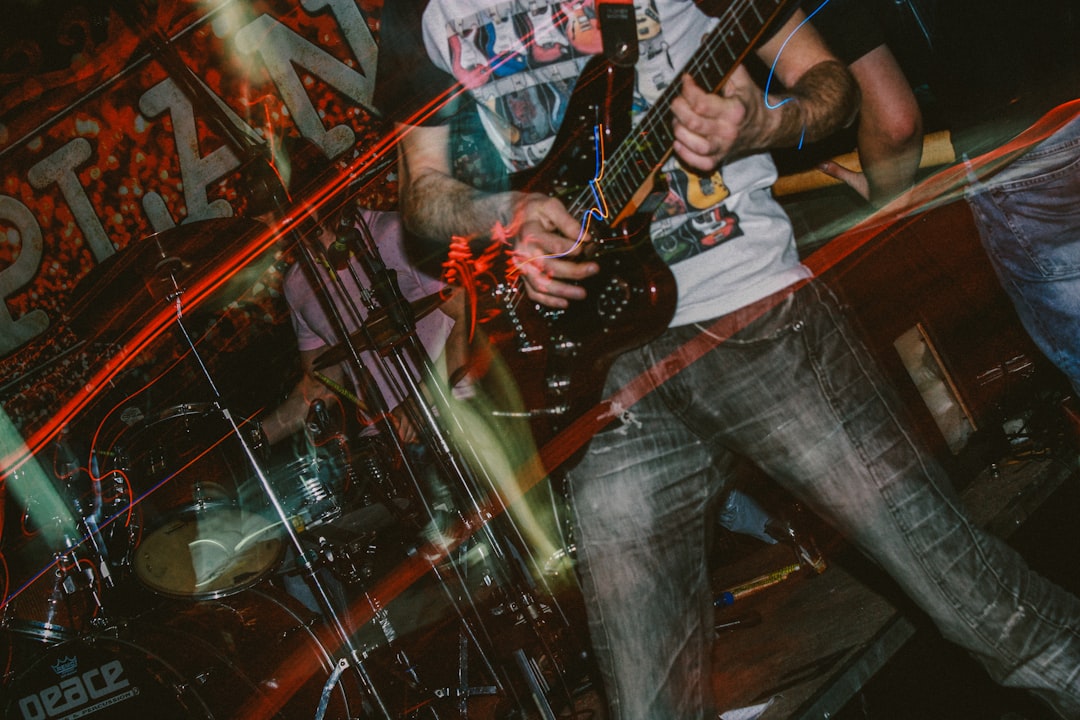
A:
(598, 111)
(559, 359)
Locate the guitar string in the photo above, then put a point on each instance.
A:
(595, 199)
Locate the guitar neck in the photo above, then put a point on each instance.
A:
(629, 169)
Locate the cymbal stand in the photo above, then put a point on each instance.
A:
(379, 409)
(358, 235)
(252, 150)
(523, 599)
(305, 558)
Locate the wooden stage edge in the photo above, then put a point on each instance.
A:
(821, 638)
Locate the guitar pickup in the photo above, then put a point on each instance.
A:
(529, 414)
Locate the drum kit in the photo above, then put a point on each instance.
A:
(164, 564)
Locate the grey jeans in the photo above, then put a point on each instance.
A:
(796, 392)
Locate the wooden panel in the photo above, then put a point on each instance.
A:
(931, 270)
(816, 639)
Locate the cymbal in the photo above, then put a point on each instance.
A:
(382, 330)
(134, 282)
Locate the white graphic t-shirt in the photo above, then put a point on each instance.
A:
(724, 236)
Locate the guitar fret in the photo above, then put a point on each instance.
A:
(628, 168)
(623, 191)
(742, 31)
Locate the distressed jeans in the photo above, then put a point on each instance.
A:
(1028, 217)
(797, 393)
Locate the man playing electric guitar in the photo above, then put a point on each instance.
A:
(792, 389)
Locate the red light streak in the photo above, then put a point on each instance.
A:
(941, 188)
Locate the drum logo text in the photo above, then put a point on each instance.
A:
(80, 694)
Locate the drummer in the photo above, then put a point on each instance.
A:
(335, 386)
(316, 331)
(301, 167)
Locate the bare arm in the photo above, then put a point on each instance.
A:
(822, 97)
(890, 131)
(436, 206)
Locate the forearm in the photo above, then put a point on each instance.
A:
(286, 419)
(823, 100)
(890, 169)
(890, 125)
(436, 206)
(544, 235)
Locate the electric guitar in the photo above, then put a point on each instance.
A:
(603, 169)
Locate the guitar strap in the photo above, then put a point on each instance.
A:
(618, 31)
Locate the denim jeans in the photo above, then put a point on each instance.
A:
(741, 514)
(1028, 217)
(797, 393)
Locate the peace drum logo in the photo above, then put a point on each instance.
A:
(78, 694)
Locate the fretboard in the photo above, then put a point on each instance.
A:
(631, 165)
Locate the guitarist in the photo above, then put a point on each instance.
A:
(793, 389)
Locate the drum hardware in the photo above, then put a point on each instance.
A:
(89, 514)
(332, 681)
(173, 267)
(537, 686)
(167, 262)
(62, 600)
(65, 597)
(403, 359)
(397, 354)
(382, 331)
(164, 265)
(306, 559)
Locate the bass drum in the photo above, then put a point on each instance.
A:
(188, 469)
(253, 655)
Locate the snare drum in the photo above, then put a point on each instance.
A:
(187, 468)
(309, 490)
(326, 481)
(60, 563)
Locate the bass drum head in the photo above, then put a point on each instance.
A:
(113, 679)
(252, 655)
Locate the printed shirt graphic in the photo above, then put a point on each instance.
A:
(519, 60)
